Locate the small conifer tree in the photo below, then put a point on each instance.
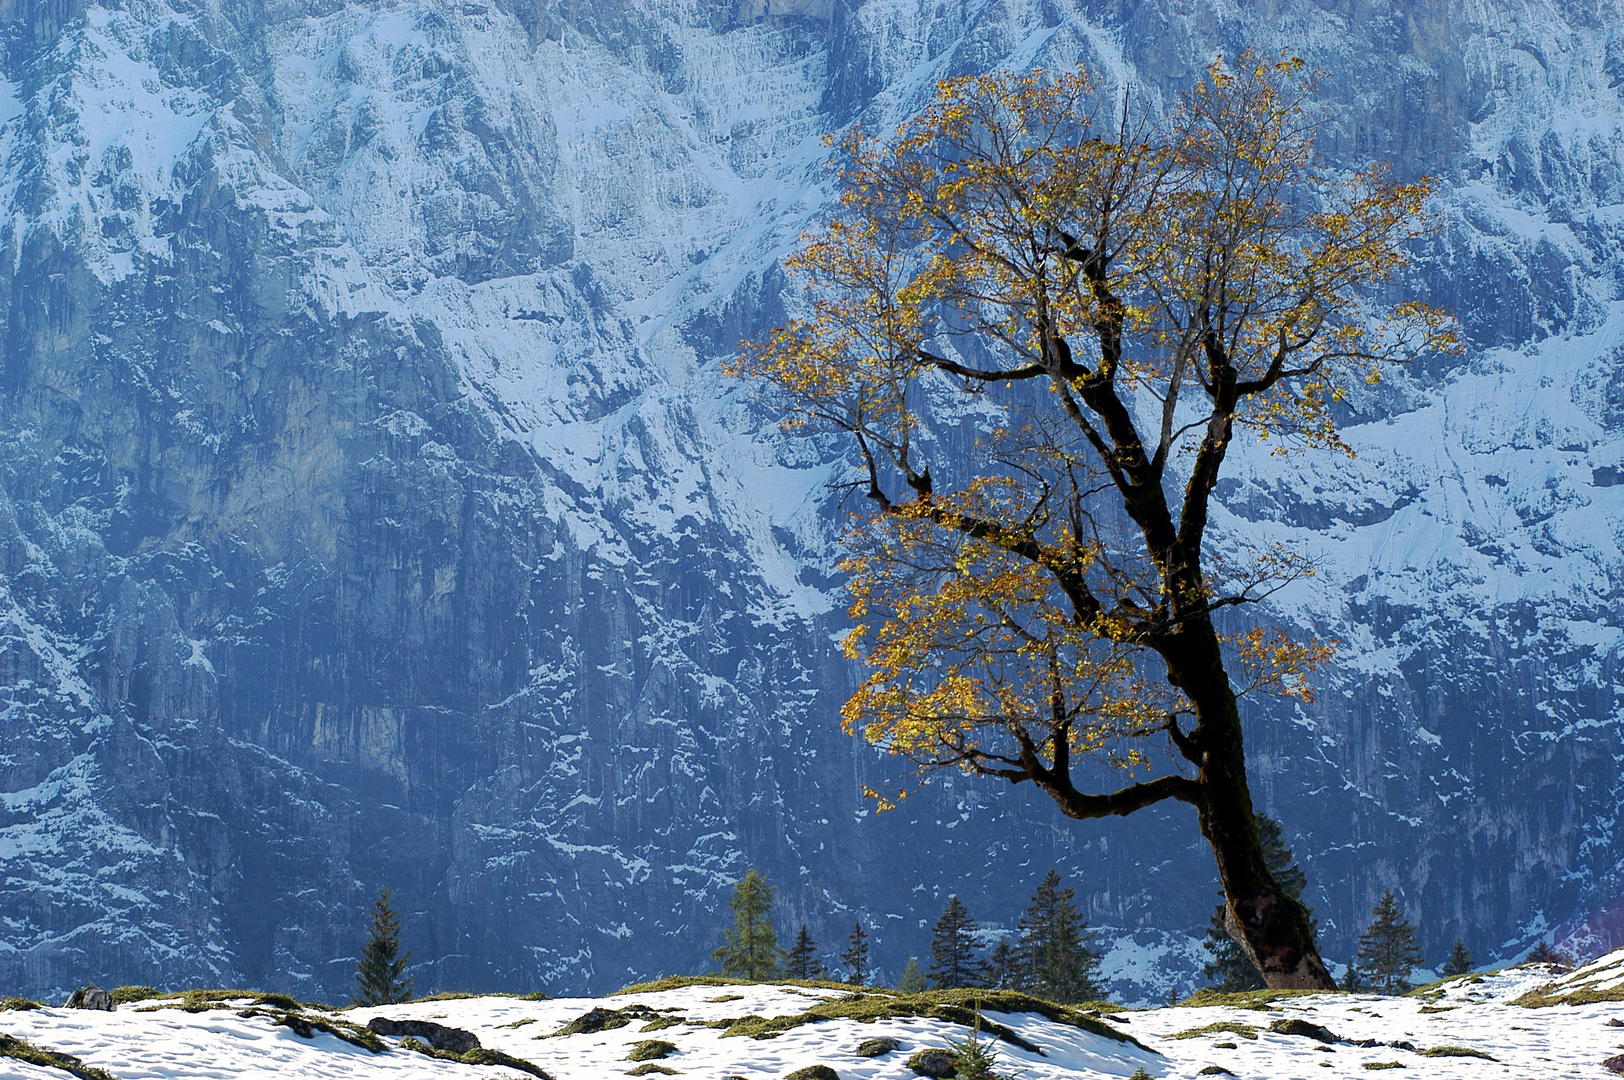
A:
(1544, 954)
(1230, 971)
(1052, 958)
(751, 950)
(856, 955)
(1459, 962)
(912, 980)
(378, 973)
(1387, 950)
(974, 1059)
(1003, 968)
(953, 949)
(802, 962)
(1353, 980)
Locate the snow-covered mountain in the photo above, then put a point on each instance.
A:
(374, 509)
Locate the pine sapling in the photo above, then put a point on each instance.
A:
(974, 1059)
(1053, 959)
(1459, 961)
(856, 956)
(802, 962)
(953, 949)
(750, 947)
(1388, 949)
(379, 971)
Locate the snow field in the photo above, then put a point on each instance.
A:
(1476, 1013)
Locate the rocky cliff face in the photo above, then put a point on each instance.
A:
(374, 511)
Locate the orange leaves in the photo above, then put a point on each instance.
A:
(969, 644)
(1270, 661)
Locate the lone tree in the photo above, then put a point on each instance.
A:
(856, 955)
(750, 948)
(912, 980)
(378, 974)
(1459, 961)
(953, 962)
(1387, 949)
(1052, 958)
(802, 960)
(1105, 300)
(1230, 971)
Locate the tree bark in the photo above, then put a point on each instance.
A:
(1273, 929)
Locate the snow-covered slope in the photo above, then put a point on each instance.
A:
(1468, 1027)
(373, 510)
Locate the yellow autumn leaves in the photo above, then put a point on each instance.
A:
(1039, 316)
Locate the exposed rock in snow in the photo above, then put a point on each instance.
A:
(1468, 1027)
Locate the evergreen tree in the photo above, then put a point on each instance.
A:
(1003, 967)
(378, 972)
(1387, 949)
(751, 950)
(953, 949)
(856, 955)
(802, 962)
(1052, 958)
(912, 980)
(1353, 980)
(1230, 971)
(1459, 962)
(1544, 954)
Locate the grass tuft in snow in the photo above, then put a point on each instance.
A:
(651, 1050)
(1455, 1051)
(1304, 1029)
(661, 1022)
(1551, 993)
(196, 1001)
(598, 1019)
(305, 1026)
(465, 995)
(650, 1067)
(124, 995)
(1256, 1000)
(1222, 1027)
(953, 1006)
(682, 982)
(1383, 1065)
(20, 1004)
(23, 1050)
(477, 1056)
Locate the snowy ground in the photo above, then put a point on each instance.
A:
(1477, 1013)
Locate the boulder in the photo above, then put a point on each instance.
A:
(438, 1036)
(90, 997)
(813, 1072)
(936, 1064)
(877, 1047)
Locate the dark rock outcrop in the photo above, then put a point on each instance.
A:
(90, 997)
(439, 1036)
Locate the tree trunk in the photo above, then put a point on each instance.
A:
(1272, 929)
